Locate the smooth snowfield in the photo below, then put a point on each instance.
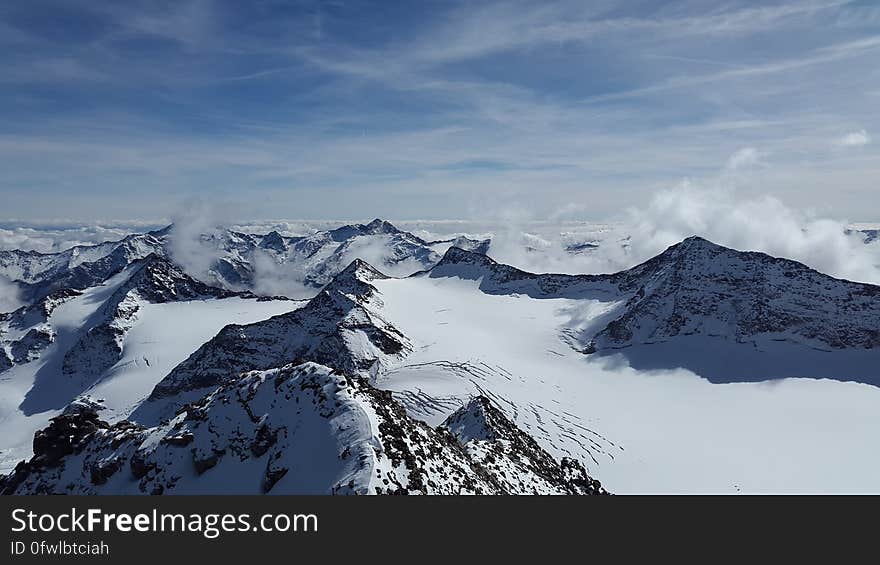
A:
(165, 335)
(162, 336)
(662, 431)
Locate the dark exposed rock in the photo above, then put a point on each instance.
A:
(140, 465)
(180, 440)
(5, 361)
(64, 435)
(100, 472)
(28, 347)
(205, 462)
(264, 439)
(273, 240)
(272, 476)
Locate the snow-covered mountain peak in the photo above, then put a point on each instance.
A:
(695, 242)
(696, 256)
(376, 227)
(354, 281)
(502, 448)
(359, 270)
(379, 226)
(274, 241)
(479, 420)
(158, 280)
(699, 288)
(270, 264)
(458, 256)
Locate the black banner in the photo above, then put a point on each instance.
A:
(122, 529)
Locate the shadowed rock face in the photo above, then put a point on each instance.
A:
(29, 347)
(157, 280)
(253, 435)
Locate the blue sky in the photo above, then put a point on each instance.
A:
(354, 109)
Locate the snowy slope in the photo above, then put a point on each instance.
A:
(153, 321)
(152, 280)
(796, 321)
(479, 327)
(473, 327)
(339, 327)
(297, 429)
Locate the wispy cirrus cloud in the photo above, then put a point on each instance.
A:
(379, 110)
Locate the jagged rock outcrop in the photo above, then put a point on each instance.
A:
(33, 321)
(510, 454)
(31, 344)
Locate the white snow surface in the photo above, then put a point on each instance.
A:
(665, 431)
(161, 336)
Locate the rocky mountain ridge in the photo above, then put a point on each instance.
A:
(296, 429)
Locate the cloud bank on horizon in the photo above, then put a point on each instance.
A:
(432, 110)
(715, 210)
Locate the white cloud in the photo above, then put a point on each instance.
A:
(715, 209)
(58, 235)
(743, 158)
(187, 244)
(855, 139)
(9, 296)
(272, 278)
(751, 224)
